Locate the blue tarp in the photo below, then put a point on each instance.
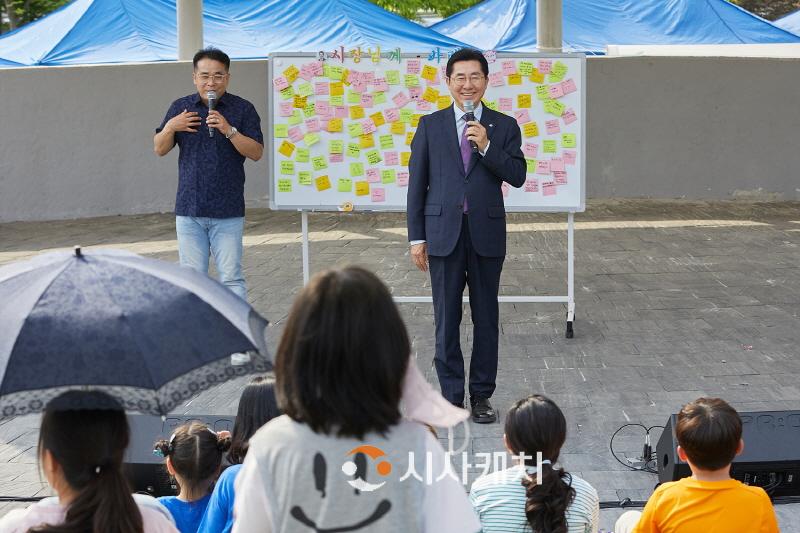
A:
(590, 25)
(122, 31)
(790, 22)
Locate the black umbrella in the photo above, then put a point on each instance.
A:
(148, 332)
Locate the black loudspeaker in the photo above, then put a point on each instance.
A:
(771, 456)
(145, 471)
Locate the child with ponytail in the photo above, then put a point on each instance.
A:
(513, 500)
(193, 456)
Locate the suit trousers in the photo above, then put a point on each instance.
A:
(449, 275)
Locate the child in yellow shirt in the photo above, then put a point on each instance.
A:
(709, 434)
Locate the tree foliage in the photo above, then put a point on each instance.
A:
(410, 8)
(19, 12)
(769, 9)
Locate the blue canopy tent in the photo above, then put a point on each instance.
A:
(122, 31)
(790, 22)
(590, 25)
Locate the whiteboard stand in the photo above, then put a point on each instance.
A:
(569, 299)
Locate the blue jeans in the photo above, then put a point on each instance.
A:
(221, 237)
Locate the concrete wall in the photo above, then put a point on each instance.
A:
(77, 141)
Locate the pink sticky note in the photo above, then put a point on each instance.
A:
(544, 66)
(568, 86)
(522, 116)
(530, 150)
(557, 164)
(373, 175)
(317, 67)
(552, 126)
(280, 83)
(504, 104)
(423, 105)
(413, 66)
(390, 158)
(391, 115)
(286, 109)
(312, 125)
(570, 156)
(443, 71)
(490, 55)
(509, 67)
(367, 126)
(505, 188)
(323, 109)
(378, 194)
(336, 158)
(401, 99)
(531, 185)
(321, 88)
(358, 86)
(381, 85)
(549, 189)
(368, 77)
(555, 91)
(323, 124)
(415, 92)
(306, 73)
(569, 116)
(295, 134)
(402, 179)
(366, 100)
(543, 167)
(560, 177)
(341, 111)
(496, 79)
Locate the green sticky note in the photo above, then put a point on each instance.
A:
(525, 68)
(379, 98)
(336, 147)
(311, 139)
(345, 185)
(287, 167)
(353, 97)
(335, 72)
(319, 162)
(406, 115)
(568, 140)
(542, 93)
(530, 165)
(337, 100)
(296, 118)
(305, 89)
(388, 176)
(411, 80)
(326, 70)
(393, 77)
(287, 93)
(356, 169)
(304, 177)
(554, 107)
(281, 131)
(558, 72)
(373, 157)
(491, 104)
(353, 150)
(284, 185)
(387, 141)
(355, 129)
(302, 155)
(310, 110)
(549, 146)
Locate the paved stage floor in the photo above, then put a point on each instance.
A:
(675, 300)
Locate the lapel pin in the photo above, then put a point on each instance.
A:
(491, 125)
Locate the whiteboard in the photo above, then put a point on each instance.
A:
(340, 130)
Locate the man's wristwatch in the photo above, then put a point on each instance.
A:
(231, 133)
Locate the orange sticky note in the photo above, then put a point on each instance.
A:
(428, 73)
(291, 73)
(398, 128)
(442, 102)
(366, 141)
(523, 100)
(405, 157)
(335, 125)
(362, 188)
(530, 129)
(286, 148)
(430, 95)
(536, 76)
(356, 112)
(323, 183)
(378, 119)
(299, 102)
(515, 79)
(337, 88)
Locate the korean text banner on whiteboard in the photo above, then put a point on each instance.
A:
(341, 130)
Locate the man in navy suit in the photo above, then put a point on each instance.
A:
(457, 226)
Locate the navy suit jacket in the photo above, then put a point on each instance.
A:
(438, 184)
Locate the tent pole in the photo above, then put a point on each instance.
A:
(548, 25)
(190, 28)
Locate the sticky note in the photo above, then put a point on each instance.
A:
(322, 88)
(569, 116)
(515, 79)
(335, 125)
(409, 137)
(304, 177)
(393, 77)
(401, 99)
(336, 158)
(404, 158)
(379, 98)
(323, 183)
(377, 119)
(287, 167)
(413, 66)
(530, 165)
(548, 189)
(337, 89)
(356, 112)
(505, 104)
(353, 150)
(523, 100)
(391, 114)
(568, 86)
(542, 92)
(311, 139)
(354, 129)
(312, 125)
(559, 176)
(387, 141)
(406, 115)
(299, 101)
(557, 165)
(568, 140)
(559, 70)
(319, 162)
(287, 93)
(554, 107)
(281, 130)
(373, 157)
(286, 149)
(296, 118)
(491, 104)
(549, 146)
(398, 128)
(391, 158)
(525, 68)
(286, 109)
(411, 80)
(280, 83)
(353, 97)
(442, 102)
(378, 194)
(402, 179)
(305, 89)
(496, 79)
(552, 126)
(543, 167)
(335, 146)
(430, 95)
(367, 126)
(415, 93)
(509, 67)
(310, 109)
(429, 73)
(415, 120)
(530, 149)
(366, 141)
(522, 116)
(303, 155)
(380, 85)
(356, 169)
(544, 66)
(296, 134)
(345, 185)
(531, 185)
(373, 176)
(362, 188)
(536, 76)
(555, 91)
(284, 185)
(291, 73)
(388, 175)
(530, 129)
(335, 72)
(338, 101)
(570, 156)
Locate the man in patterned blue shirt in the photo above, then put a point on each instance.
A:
(209, 205)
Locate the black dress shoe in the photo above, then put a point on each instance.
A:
(482, 411)
(460, 405)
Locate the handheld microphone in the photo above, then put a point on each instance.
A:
(212, 103)
(469, 110)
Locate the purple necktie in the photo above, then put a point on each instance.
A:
(466, 153)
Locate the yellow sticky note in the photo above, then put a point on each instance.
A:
(525, 68)
(335, 125)
(568, 140)
(354, 129)
(303, 155)
(356, 169)
(319, 162)
(523, 100)
(356, 112)
(287, 167)
(305, 89)
(378, 119)
(284, 185)
(430, 95)
(536, 76)
(405, 157)
(398, 128)
(387, 141)
(428, 73)
(286, 149)
(353, 150)
(362, 188)
(336, 146)
(304, 177)
(323, 183)
(373, 157)
(442, 102)
(388, 175)
(345, 76)
(515, 79)
(409, 138)
(287, 93)
(530, 129)
(411, 80)
(345, 185)
(300, 102)
(337, 88)
(291, 73)
(311, 139)
(366, 141)
(393, 77)
(549, 146)
(281, 131)
(415, 120)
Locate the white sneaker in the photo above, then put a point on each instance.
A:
(239, 359)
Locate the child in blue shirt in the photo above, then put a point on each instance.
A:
(193, 457)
